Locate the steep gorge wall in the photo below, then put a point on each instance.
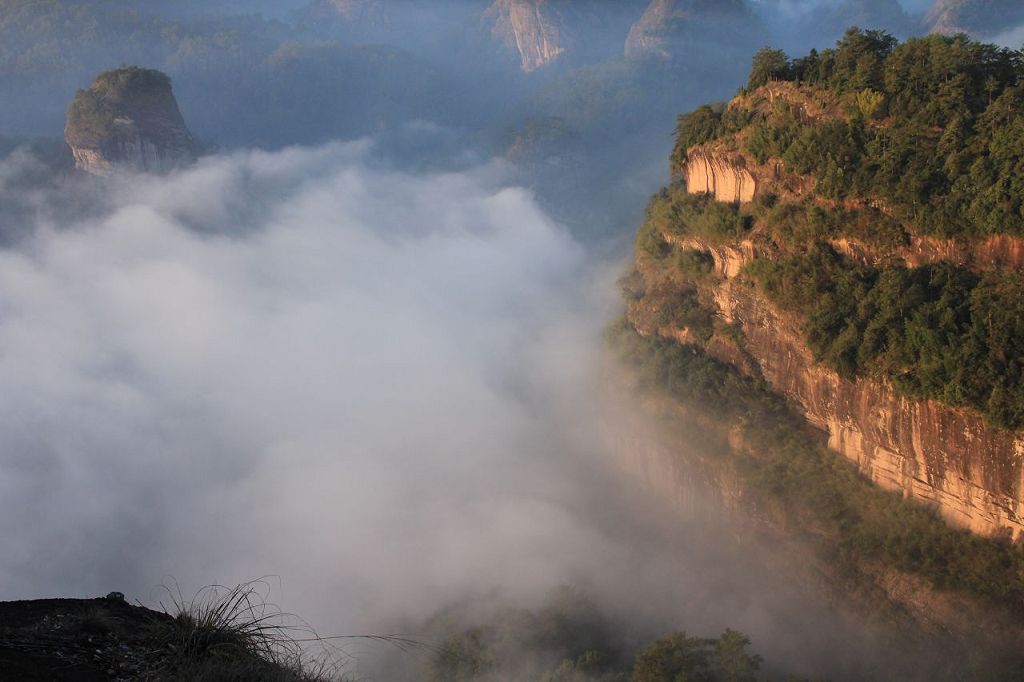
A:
(972, 473)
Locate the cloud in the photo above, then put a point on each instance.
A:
(290, 364)
(383, 388)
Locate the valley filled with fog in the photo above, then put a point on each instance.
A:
(357, 349)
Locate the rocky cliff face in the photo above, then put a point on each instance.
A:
(720, 175)
(1003, 252)
(128, 119)
(534, 29)
(934, 453)
(950, 458)
(539, 32)
(975, 17)
(668, 27)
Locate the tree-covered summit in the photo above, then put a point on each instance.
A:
(932, 129)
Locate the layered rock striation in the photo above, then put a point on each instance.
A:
(947, 457)
(128, 120)
(533, 29)
(972, 473)
(724, 177)
(540, 32)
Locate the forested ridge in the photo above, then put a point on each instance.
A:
(932, 128)
(921, 139)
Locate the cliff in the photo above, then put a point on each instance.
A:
(534, 29)
(950, 458)
(725, 177)
(748, 465)
(888, 312)
(832, 19)
(974, 17)
(128, 119)
(539, 32)
(668, 27)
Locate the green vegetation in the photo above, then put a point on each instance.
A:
(93, 110)
(933, 128)
(923, 137)
(673, 211)
(570, 639)
(679, 657)
(806, 222)
(937, 331)
(795, 480)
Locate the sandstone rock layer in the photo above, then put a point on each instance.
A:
(717, 175)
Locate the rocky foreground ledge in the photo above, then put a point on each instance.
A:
(77, 639)
(108, 639)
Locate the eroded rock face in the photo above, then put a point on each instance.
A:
(972, 473)
(128, 120)
(1003, 252)
(721, 176)
(533, 28)
(671, 25)
(975, 17)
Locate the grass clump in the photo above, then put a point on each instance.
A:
(228, 634)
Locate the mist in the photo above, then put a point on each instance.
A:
(383, 390)
(356, 351)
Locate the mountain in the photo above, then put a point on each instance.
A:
(669, 27)
(539, 32)
(128, 119)
(850, 230)
(830, 21)
(974, 17)
(829, 294)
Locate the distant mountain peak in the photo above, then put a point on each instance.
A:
(668, 25)
(535, 29)
(974, 17)
(128, 119)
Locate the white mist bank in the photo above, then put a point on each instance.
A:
(377, 387)
(288, 364)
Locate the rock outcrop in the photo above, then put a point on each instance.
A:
(670, 26)
(998, 252)
(972, 473)
(951, 458)
(723, 177)
(975, 17)
(534, 29)
(539, 32)
(128, 120)
(830, 20)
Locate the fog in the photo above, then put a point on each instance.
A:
(357, 349)
(270, 358)
(383, 390)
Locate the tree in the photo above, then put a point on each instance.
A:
(732, 660)
(769, 65)
(676, 658)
